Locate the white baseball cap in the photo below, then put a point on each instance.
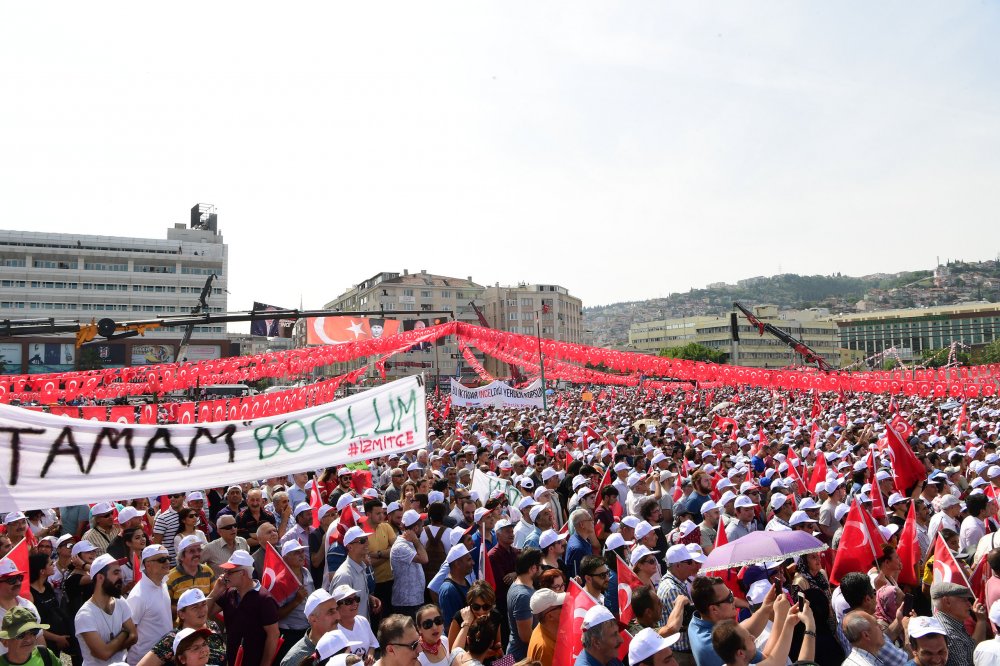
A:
(315, 599)
(597, 615)
(549, 537)
(101, 562)
(301, 507)
(616, 540)
(640, 552)
(353, 533)
(96, 510)
(333, 642)
(239, 558)
(82, 546)
(188, 541)
(744, 502)
(544, 599)
(411, 517)
(457, 552)
(799, 517)
(291, 546)
(127, 514)
(678, 553)
(648, 642)
(187, 632)
(190, 598)
(644, 529)
(924, 625)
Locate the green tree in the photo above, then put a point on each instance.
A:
(990, 353)
(692, 351)
(89, 360)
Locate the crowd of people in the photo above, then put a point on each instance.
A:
(465, 552)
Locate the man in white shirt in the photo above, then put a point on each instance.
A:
(973, 526)
(104, 624)
(149, 601)
(947, 516)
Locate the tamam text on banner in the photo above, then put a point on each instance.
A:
(48, 461)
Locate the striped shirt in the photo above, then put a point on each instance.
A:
(179, 581)
(670, 588)
(167, 523)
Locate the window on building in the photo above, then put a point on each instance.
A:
(445, 294)
(527, 302)
(407, 292)
(425, 293)
(511, 316)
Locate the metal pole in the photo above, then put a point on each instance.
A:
(541, 362)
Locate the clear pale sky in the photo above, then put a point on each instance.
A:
(624, 150)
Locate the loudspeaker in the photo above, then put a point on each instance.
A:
(734, 326)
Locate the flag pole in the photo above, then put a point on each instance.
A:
(541, 361)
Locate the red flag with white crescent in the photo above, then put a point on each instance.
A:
(575, 607)
(909, 549)
(277, 577)
(627, 581)
(860, 544)
(946, 567)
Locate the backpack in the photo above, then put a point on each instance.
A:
(436, 553)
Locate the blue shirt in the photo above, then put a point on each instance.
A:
(451, 599)
(586, 659)
(611, 594)
(694, 504)
(531, 541)
(700, 636)
(577, 548)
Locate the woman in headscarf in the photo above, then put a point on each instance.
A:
(887, 601)
(811, 580)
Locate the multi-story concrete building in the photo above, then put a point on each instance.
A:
(517, 309)
(754, 350)
(912, 331)
(438, 297)
(78, 277)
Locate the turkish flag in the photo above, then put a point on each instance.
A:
(315, 501)
(575, 607)
(946, 567)
(902, 426)
(185, 412)
(19, 556)
(94, 413)
(148, 415)
(819, 471)
(485, 570)
(136, 569)
(909, 549)
(337, 330)
(842, 420)
(277, 577)
(678, 489)
(122, 414)
(817, 407)
(878, 503)
(978, 579)
(761, 443)
(793, 475)
(627, 581)
(204, 412)
(906, 469)
(860, 544)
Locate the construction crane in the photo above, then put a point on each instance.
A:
(808, 355)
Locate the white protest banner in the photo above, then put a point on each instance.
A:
(48, 461)
(496, 394)
(486, 484)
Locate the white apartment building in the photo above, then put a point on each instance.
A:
(79, 277)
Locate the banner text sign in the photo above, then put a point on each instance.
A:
(49, 461)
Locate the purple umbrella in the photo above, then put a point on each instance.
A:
(761, 547)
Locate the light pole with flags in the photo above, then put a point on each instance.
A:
(541, 360)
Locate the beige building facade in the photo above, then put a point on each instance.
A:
(559, 314)
(431, 299)
(753, 350)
